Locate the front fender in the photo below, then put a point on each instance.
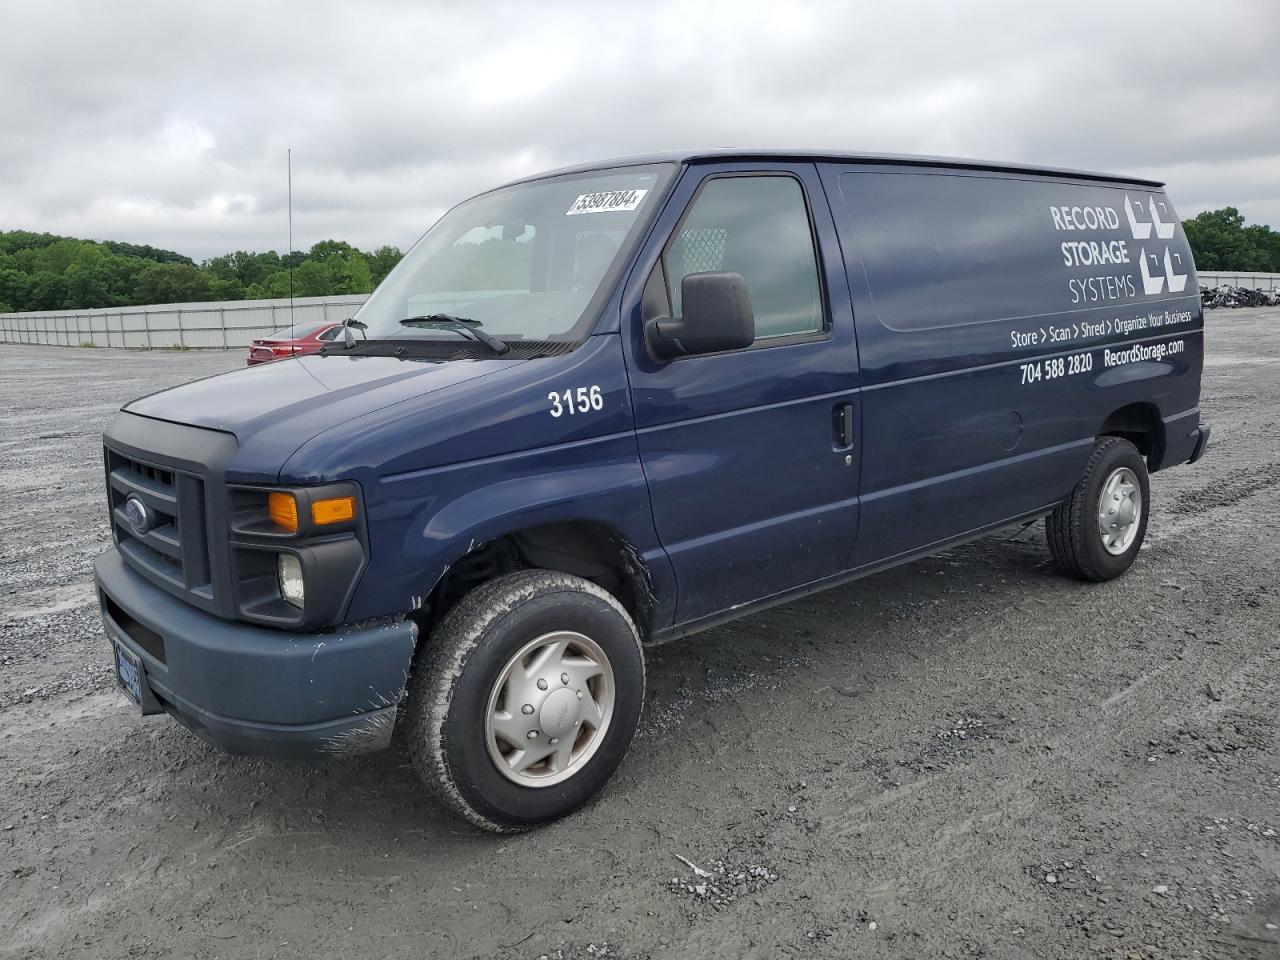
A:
(427, 521)
(509, 505)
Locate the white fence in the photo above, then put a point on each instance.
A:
(219, 326)
(1253, 281)
(180, 326)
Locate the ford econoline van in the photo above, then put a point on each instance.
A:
(613, 405)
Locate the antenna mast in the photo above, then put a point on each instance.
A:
(289, 163)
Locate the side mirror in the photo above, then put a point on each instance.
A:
(717, 316)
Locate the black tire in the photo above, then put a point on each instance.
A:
(1072, 529)
(459, 667)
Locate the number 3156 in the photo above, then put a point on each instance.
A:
(576, 400)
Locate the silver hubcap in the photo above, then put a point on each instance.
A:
(1119, 510)
(549, 709)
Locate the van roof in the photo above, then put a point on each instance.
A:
(910, 160)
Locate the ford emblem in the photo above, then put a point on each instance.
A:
(138, 516)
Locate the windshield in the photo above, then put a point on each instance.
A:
(522, 262)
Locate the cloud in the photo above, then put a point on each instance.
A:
(168, 123)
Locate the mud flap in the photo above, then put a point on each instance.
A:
(1202, 443)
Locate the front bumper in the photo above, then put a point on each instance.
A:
(255, 690)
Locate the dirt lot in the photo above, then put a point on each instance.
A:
(966, 757)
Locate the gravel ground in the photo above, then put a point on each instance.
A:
(966, 757)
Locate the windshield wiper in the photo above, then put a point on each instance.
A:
(446, 321)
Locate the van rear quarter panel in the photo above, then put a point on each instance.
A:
(997, 319)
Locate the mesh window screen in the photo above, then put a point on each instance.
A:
(758, 227)
(702, 250)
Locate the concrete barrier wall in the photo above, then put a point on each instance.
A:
(170, 326)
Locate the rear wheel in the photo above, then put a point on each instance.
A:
(526, 698)
(1096, 533)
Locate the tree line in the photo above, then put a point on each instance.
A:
(40, 271)
(1220, 241)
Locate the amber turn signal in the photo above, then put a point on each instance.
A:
(333, 510)
(283, 510)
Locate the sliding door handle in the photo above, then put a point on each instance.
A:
(842, 424)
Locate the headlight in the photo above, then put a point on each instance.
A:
(288, 542)
(291, 587)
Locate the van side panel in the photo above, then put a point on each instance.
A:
(1001, 319)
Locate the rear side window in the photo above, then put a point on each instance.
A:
(759, 227)
(295, 332)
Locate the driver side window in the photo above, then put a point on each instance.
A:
(757, 226)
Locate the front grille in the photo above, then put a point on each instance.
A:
(172, 550)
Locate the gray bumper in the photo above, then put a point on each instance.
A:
(255, 690)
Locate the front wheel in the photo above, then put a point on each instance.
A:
(525, 699)
(1096, 533)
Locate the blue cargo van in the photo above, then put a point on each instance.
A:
(609, 406)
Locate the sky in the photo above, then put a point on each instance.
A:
(168, 123)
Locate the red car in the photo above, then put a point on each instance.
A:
(295, 341)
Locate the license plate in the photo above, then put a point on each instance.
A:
(129, 673)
